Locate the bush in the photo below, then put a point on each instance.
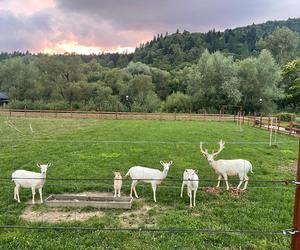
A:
(286, 116)
(178, 102)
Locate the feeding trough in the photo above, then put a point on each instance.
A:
(104, 201)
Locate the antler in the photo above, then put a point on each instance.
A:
(221, 147)
(202, 151)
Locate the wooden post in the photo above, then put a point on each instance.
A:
(291, 124)
(243, 117)
(249, 118)
(25, 111)
(296, 237)
(269, 120)
(260, 121)
(175, 115)
(278, 123)
(234, 117)
(220, 115)
(254, 119)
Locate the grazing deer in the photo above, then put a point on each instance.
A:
(225, 168)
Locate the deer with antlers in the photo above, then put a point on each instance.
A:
(225, 168)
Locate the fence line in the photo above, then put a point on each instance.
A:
(291, 127)
(159, 230)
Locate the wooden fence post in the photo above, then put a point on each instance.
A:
(260, 121)
(254, 119)
(249, 118)
(25, 111)
(269, 120)
(278, 123)
(296, 237)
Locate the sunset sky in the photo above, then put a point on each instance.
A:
(94, 26)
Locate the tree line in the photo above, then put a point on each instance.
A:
(264, 79)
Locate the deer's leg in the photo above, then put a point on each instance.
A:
(17, 192)
(191, 197)
(182, 186)
(134, 185)
(219, 180)
(246, 182)
(241, 181)
(115, 193)
(154, 192)
(226, 181)
(119, 192)
(41, 194)
(195, 192)
(33, 194)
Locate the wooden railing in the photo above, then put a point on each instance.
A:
(291, 128)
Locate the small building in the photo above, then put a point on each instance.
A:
(3, 99)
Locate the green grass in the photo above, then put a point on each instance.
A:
(96, 148)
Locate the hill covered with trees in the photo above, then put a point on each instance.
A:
(186, 72)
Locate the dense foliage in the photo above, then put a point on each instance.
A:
(255, 67)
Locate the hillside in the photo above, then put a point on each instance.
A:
(179, 49)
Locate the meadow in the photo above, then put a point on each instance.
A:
(93, 149)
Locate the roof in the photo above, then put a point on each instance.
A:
(3, 96)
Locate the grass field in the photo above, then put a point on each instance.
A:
(95, 148)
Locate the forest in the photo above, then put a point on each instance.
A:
(256, 67)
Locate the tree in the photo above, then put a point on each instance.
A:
(178, 102)
(282, 43)
(291, 84)
(213, 80)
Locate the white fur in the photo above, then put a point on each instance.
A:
(28, 179)
(191, 180)
(225, 168)
(148, 175)
(117, 184)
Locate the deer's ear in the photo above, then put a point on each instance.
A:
(49, 164)
(171, 162)
(38, 165)
(161, 162)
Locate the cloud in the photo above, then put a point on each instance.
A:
(101, 25)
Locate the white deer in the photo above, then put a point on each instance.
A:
(148, 175)
(28, 179)
(191, 180)
(225, 168)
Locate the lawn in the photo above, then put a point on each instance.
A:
(93, 149)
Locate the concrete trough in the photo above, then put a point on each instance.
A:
(58, 200)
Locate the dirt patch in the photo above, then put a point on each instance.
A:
(234, 192)
(55, 215)
(144, 216)
(213, 190)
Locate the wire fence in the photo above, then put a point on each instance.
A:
(59, 181)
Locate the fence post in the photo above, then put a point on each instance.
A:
(234, 117)
(296, 236)
(292, 124)
(249, 118)
(254, 119)
(260, 122)
(243, 117)
(278, 123)
(269, 120)
(175, 114)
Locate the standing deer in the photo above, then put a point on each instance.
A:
(225, 168)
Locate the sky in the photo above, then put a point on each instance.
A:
(96, 26)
